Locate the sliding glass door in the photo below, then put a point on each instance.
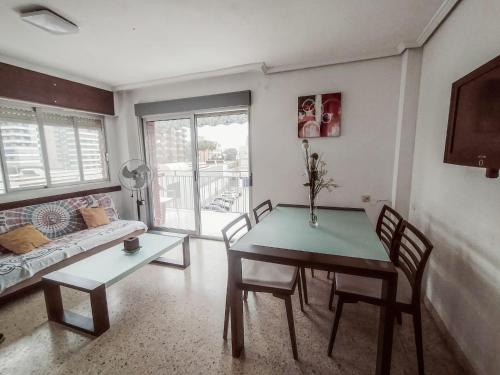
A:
(201, 170)
(169, 146)
(224, 171)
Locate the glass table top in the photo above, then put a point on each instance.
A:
(340, 232)
(113, 264)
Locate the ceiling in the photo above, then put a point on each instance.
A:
(124, 42)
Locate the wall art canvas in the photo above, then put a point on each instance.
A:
(319, 115)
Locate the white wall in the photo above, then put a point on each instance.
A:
(361, 160)
(405, 130)
(457, 206)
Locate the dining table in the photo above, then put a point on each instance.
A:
(344, 242)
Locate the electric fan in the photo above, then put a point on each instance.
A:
(135, 176)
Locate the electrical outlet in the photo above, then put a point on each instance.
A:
(365, 198)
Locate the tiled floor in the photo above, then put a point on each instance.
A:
(168, 321)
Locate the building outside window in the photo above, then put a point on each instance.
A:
(43, 148)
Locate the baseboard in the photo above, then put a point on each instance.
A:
(450, 341)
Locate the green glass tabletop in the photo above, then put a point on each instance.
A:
(340, 232)
(113, 264)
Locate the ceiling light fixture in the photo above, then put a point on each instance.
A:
(49, 21)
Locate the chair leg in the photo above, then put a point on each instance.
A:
(291, 325)
(399, 317)
(312, 272)
(338, 312)
(304, 284)
(299, 282)
(332, 294)
(245, 295)
(417, 326)
(226, 315)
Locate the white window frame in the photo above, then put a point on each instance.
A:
(39, 110)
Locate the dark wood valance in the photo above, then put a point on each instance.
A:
(58, 197)
(28, 85)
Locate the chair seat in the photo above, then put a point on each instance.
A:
(370, 287)
(269, 275)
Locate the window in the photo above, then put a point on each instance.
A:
(44, 148)
(91, 145)
(62, 152)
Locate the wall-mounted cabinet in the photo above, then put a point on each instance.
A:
(473, 137)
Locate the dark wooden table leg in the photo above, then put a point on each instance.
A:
(186, 252)
(99, 305)
(53, 302)
(236, 309)
(386, 325)
(186, 257)
(96, 325)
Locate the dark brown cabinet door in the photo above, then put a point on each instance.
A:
(473, 137)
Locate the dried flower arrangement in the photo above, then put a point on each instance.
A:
(317, 179)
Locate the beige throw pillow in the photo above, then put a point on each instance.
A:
(94, 216)
(23, 240)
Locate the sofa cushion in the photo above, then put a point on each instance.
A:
(23, 240)
(94, 216)
(56, 219)
(16, 268)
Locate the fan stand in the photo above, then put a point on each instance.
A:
(139, 202)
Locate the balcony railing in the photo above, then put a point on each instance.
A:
(222, 191)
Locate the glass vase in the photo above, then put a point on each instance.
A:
(313, 218)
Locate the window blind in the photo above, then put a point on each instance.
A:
(226, 100)
(17, 114)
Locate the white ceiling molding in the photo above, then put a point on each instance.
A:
(246, 68)
(436, 20)
(319, 64)
(53, 72)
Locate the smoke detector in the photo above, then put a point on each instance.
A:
(49, 21)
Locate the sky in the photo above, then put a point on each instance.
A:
(228, 136)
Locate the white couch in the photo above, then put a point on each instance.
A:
(70, 242)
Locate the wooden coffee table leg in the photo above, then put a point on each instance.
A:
(186, 254)
(53, 302)
(186, 257)
(99, 305)
(96, 325)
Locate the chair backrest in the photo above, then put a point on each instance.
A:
(233, 231)
(412, 250)
(388, 224)
(261, 209)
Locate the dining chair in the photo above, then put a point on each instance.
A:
(261, 209)
(265, 208)
(388, 224)
(277, 279)
(410, 253)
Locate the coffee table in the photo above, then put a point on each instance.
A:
(97, 272)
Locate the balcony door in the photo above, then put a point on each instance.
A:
(201, 171)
